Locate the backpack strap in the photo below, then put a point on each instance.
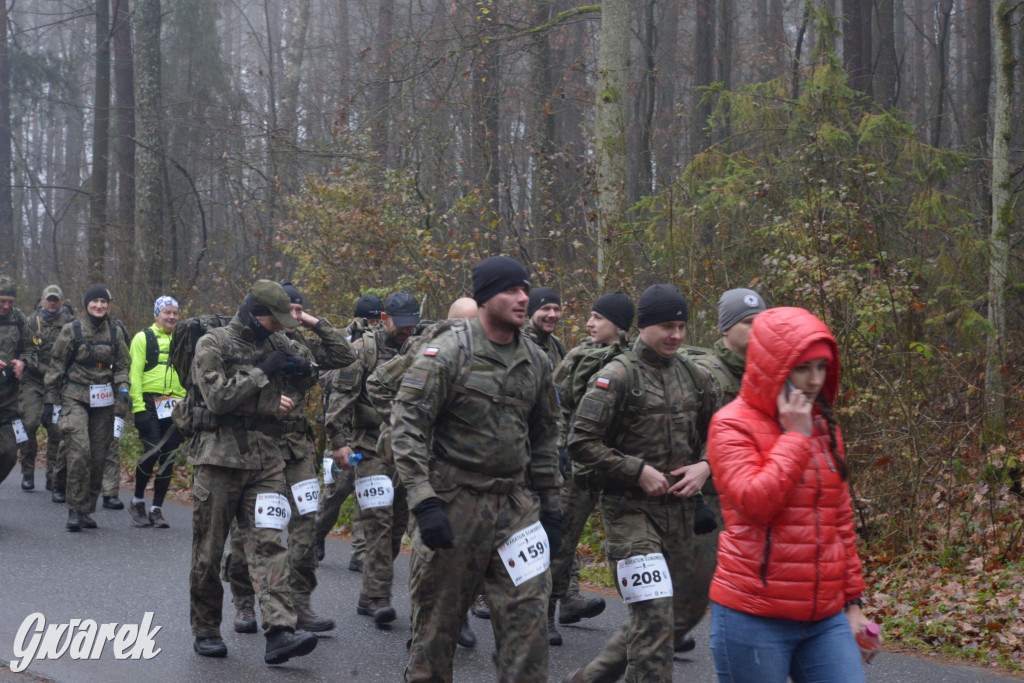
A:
(152, 350)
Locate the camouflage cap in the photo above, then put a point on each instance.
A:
(272, 295)
(7, 286)
(53, 290)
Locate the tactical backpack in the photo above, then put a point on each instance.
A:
(78, 341)
(572, 376)
(183, 342)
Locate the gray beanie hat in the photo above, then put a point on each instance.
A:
(737, 304)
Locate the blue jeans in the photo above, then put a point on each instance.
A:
(752, 649)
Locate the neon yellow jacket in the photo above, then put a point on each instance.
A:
(162, 379)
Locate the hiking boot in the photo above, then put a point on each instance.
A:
(285, 644)
(28, 482)
(112, 503)
(378, 608)
(138, 515)
(58, 496)
(321, 550)
(49, 484)
(576, 607)
(308, 620)
(210, 647)
(466, 636)
(245, 620)
(156, 518)
(74, 521)
(684, 643)
(86, 521)
(480, 609)
(554, 637)
(356, 565)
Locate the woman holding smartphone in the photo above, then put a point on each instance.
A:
(786, 596)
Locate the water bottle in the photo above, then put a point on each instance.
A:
(354, 458)
(870, 640)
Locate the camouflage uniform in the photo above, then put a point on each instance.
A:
(331, 500)
(548, 343)
(726, 367)
(44, 334)
(112, 464)
(15, 343)
(353, 421)
(618, 441)
(86, 432)
(237, 454)
(300, 465)
(491, 460)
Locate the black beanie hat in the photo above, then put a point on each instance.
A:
(660, 304)
(542, 296)
(617, 307)
(369, 306)
(496, 274)
(293, 293)
(96, 292)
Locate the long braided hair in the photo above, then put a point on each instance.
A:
(833, 445)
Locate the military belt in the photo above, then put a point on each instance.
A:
(478, 481)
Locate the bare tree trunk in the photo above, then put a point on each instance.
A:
(723, 55)
(942, 54)
(285, 138)
(542, 124)
(979, 80)
(98, 218)
(150, 219)
(382, 96)
(124, 91)
(341, 117)
(854, 60)
(486, 136)
(1002, 220)
(884, 79)
(610, 126)
(640, 179)
(9, 258)
(703, 73)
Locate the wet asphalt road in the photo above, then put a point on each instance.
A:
(117, 573)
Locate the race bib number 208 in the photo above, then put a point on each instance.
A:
(644, 577)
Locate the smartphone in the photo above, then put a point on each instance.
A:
(789, 388)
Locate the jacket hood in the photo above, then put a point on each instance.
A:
(778, 338)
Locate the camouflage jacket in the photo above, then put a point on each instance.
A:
(666, 431)
(548, 343)
(329, 350)
(351, 419)
(44, 334)
(100, 358)
(727, 368)
(477, 414)
(15, 343)
(237, 404)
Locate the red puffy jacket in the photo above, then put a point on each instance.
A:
(789, 548)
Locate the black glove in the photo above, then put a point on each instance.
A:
(47, 413)
(564, 466)
(435, 530)
(552, 523)
(703, 518)
(125, 397)
(7, 375)
(273, 363)
(297, 365)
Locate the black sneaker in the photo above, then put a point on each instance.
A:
(285, 644)
(138, 515)
(156, 518)
(210, 647)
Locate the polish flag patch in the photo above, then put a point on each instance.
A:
(430, 351)
(602, 382)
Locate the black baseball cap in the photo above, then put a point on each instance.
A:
(402, 308)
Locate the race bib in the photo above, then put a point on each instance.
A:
(526, 554)
(118, 427)
(101, 395)
(272, 511)
(328, 470)
(20, 435)
(56, 413)
(644, 577)
(374, 492)
(306, 495)
(165, 406)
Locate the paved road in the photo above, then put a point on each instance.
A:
(117, 573)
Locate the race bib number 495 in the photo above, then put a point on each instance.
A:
(644, 577)
(272, 511)
(375, 491)
(526, 554)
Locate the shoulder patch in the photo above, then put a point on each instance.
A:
(414, 378)
(591, 409)
(602, 382)
(430, 351)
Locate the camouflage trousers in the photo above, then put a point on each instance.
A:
(8, 448)
(443, 584)
(642, 649)
(695, 604)
(32, 393)
(112, 470)
(577, 505)
(222, 495)
(330, 505)
(383, 529)
(302, 562)
(86, 434)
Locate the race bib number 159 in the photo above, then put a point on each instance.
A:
(526, 554)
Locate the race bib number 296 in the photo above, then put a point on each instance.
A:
(272, 511)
